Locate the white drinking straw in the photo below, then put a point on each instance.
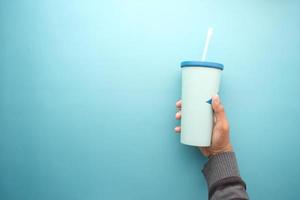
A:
(208, 38)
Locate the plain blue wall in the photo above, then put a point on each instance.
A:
(88, 91)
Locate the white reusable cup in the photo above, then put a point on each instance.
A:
(200, 81)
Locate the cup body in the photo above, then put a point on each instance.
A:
(200, 81)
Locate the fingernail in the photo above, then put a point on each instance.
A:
(216, 99)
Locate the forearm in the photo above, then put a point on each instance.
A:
(223, 178)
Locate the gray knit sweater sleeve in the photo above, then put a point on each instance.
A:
(223, 179)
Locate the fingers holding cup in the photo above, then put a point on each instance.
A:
(177, 129)
(178, 115)
(178, 104)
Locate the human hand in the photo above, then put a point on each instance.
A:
(220, 136)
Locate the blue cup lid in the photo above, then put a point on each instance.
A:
(202, 64)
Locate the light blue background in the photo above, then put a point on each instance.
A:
(88, 91)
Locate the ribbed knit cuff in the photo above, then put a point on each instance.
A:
(220, 166)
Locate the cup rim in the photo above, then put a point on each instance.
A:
(202, 64)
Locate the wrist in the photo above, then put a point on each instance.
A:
(227, 148)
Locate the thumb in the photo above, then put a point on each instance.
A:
(218, 109)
